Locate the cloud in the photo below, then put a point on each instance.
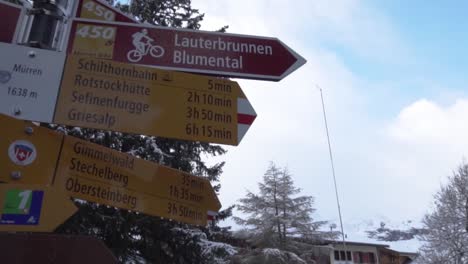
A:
(289, 128)
(429, 130)
(423, 145)
(350, 24)
(384, 166)
(426, 124)
(400, 163)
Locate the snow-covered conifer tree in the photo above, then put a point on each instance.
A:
(446, 237)
(277, 213)
(444, 230)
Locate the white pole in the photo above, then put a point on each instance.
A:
(334, 176)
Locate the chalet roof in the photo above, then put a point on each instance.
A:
(337, 242)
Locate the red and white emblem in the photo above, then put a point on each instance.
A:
(22, 152)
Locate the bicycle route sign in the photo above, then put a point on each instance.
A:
(212, 53)
(90, 172)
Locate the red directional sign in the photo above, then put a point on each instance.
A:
(10, 15)
(214, 53)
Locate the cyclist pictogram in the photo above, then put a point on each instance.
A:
(143, 46)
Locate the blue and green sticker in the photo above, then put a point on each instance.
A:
(21, 207)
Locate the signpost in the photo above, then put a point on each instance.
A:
(29, 81)
(33, 208)
(53, 249)
(118, 75)
(212, 53)
(147, 101)
(135, 99)
(94, 173)
(11, 15)
(27, 150)
(98, 174)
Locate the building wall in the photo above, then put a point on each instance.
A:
(389, 259)
(318, 254)
(388, 256)
(356, 254)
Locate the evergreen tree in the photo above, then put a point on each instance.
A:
(134, 237)
(276, 213)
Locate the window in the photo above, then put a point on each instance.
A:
(356, 257)
(340, 255)
(364, 257)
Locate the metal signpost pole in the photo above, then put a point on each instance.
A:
(46, 26)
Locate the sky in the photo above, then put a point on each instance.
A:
(393, 76)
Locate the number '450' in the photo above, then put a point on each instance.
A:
(95, 32)
(99, 11)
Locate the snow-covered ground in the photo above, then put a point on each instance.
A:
(355, 230)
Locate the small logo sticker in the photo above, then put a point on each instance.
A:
(22, 152)
(5, 76)
(21, 207)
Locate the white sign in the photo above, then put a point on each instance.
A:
(29, 81)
